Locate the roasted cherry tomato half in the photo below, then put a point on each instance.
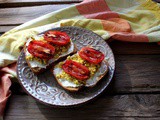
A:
(57, 38)
(76, 70)
(41, 49)
(91, 55)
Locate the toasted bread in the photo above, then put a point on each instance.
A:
(37, 66)
(70, 85)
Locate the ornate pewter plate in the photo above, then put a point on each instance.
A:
(44, 87)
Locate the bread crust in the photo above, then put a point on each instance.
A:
(71, 89)
(101, 76)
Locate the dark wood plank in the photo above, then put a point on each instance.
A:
(157, 1)
(5, 28)
(134, 48)
(9, 15)
(134, 74)
(20, 3)
(12, 16)
(137, 73)
(33, 1)
(122, 107)
(47, 1)
(24, 3)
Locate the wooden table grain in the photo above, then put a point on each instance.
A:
(133, 94)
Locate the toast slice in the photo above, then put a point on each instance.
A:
(97, 72)
(38, 65)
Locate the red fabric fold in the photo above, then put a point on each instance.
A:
(96, 10)
(5, 83)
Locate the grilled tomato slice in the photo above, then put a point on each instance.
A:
(91, 55)
(41, 49)
(76, 70)
(57, 38)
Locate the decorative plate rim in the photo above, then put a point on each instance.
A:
(111, 69)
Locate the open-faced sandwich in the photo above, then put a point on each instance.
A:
(43, 50)
(84, 68)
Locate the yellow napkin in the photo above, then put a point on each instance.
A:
(125, 20)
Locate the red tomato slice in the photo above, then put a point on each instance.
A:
(41, 49)
(57, 38)
(91, 55)
(76, 70)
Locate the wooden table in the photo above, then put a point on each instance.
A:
(133, 94)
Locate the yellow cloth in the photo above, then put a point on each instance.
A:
(126, 20)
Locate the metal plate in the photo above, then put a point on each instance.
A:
(44, 87)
